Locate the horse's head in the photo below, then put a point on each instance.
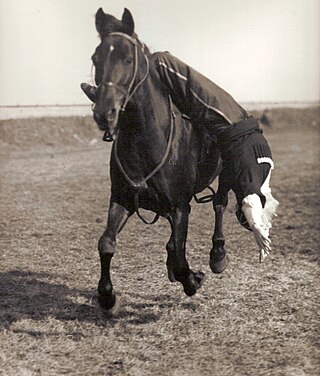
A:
(116, 61)
(105, 25)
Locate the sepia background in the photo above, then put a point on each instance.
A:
(253, 319)
(259, 51)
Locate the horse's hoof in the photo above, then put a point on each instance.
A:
(109, 308)
(195, 282)
(171, 276)
(199, 277)
(114, 311)
(218, 266)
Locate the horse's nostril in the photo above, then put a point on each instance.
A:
(111, 114)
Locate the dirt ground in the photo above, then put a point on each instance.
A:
(253, 319)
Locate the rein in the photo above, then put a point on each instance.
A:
(142, 183)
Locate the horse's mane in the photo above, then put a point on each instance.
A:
(145, 47)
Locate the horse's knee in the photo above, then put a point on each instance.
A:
(170, 247)
(106, 245)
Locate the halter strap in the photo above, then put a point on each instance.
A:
(127, 36)
(142, 182)
(130, 92)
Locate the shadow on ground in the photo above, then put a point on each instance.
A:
(33, 295)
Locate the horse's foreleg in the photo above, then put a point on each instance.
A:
(218, 258)
(190, 280)
(117, 217)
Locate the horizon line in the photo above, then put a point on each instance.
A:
(88, 104)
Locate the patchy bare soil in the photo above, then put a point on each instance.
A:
(251, 320)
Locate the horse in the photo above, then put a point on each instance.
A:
(159, 160)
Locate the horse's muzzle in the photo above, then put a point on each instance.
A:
(106, 123)
(103, 119)
(107, 137)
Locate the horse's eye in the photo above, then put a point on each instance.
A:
(128, 61)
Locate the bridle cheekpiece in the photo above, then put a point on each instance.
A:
(130, 91)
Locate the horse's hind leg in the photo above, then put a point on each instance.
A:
(218, 258)
(170, 258)
(190, 280)
(117, 217)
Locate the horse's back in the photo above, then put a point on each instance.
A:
(204, 152)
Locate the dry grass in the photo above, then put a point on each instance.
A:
(251, 320)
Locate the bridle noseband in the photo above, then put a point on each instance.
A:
(112, 84)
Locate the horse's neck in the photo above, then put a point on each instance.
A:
(146, 122)
(152, 106)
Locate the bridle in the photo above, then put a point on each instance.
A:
(141, 184)
(130, 91)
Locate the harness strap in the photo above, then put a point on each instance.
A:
(131, 91)
(205, 199)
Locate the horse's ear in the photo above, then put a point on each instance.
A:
(106, 24)
(127, 21)
(100, 20)
(90, 91)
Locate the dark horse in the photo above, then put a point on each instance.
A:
(158, 160)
